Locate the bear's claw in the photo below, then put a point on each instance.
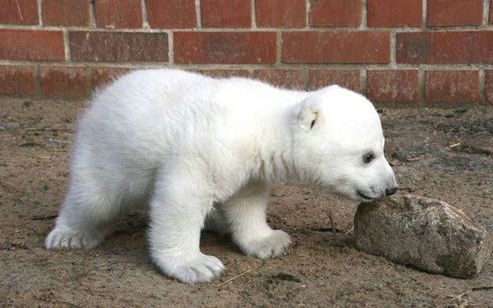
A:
(66, 238)
(201, 268)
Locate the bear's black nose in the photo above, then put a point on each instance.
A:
(390, 191)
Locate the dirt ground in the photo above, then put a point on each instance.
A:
(440, 153)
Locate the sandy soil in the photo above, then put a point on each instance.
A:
(440, 153)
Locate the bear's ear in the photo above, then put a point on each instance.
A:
(308, 114)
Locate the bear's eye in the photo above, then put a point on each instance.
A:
(368, 158)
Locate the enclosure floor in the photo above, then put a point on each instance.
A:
(439, 153)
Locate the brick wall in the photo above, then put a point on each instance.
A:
(403, 51)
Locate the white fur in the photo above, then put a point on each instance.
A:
(193, 146)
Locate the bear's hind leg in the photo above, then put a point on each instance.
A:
(246, 218)
(86, 217)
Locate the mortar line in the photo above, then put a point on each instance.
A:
(363, 81)
(37, 80)
(424, 25)
(486, 12)
(171, 49)
(253, 14)
(40, 13)
(198, 14)
(92, 14)
(66, 45)
(393, 50)
(308, 9)
(482, 86)
(266, 29)
(145, 20)
(364, 16)
(89, 80)
(279, 43)
(292, 66)
(251, 72)
(422, 87)
(305, 75)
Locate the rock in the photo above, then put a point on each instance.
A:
(425, 233)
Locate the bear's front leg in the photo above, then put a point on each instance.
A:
(245, 215)
(181, 200)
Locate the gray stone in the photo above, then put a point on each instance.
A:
(425, 233)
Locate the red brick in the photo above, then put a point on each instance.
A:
(19, 12)
(395, 13)
(171, 14)
(68, 82)
(445, 47)
(118, 46)
(102, 76)
(336, 47)
(393, 86)
(225, 47)
(17, 80)
(291, 79)
(226, 13)
(342, 13)
(117, 14)
(32, 45)
(455, 12)
(322, 78)
(452, 86)
(488, 86)
(65, 13)
(225, 73)
(280, 13)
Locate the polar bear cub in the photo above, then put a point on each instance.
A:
(204, 151)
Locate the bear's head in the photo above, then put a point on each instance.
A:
(338, 144)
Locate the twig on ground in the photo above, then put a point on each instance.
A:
(44, 216)
(69, 304)
(411, 159)
(77, 277)
(331, 220)
(59, 141)
(48, 129)
(409, 189)
(235, 277)
(482, 288)
(349, 231)
(30, 144)
(459, 298)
